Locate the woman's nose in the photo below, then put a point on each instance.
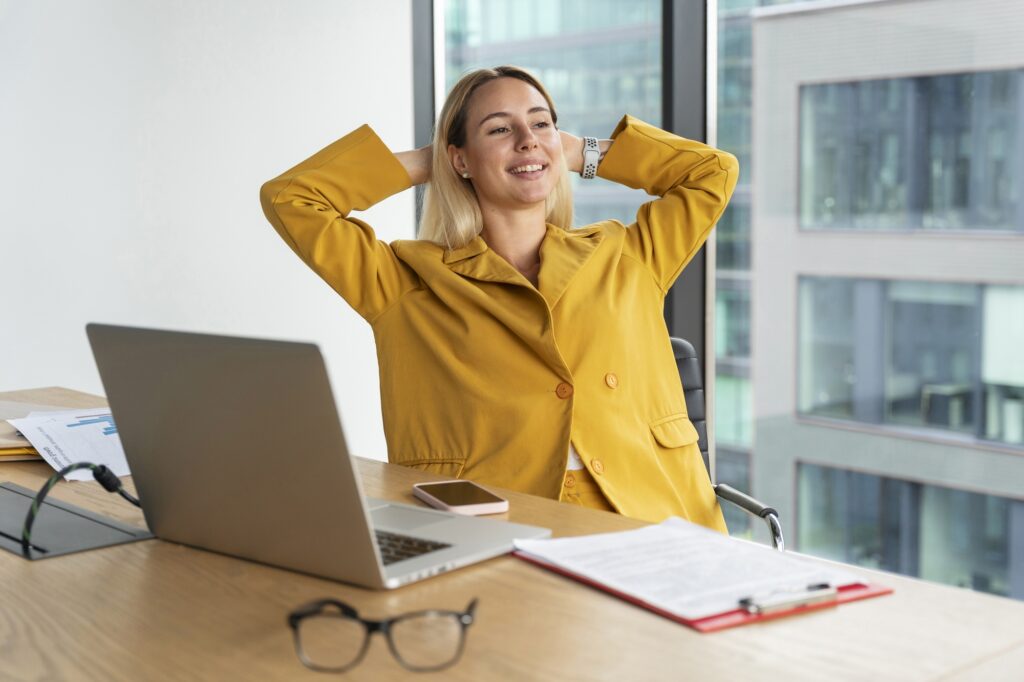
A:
(527, 140)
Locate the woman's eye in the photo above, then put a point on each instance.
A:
(543, 124)
(499, 130)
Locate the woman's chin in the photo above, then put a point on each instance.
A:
(533, 199)
(520, 198)
(532, 195)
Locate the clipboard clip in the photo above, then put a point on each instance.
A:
(786, 600)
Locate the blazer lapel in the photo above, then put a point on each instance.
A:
(562, 254)
(520, 308)
(477, 261)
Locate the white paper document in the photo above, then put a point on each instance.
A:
(69, 436)
(13, 409)
(683, 568)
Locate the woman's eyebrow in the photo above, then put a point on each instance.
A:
(498, 114)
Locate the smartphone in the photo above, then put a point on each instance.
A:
(461, 497)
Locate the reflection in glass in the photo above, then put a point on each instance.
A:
(932, 346)
(732, 317)
(933, 152)
(925, 370)
(964, 539)
(826, 343)
(733, 423)
(732, 467)
(732, 235)
(937, 533)
(936, 355)
(1002, 363)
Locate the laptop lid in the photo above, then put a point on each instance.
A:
(235, 446)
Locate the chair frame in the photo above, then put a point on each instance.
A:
(693, 390)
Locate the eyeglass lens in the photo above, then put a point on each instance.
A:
(420, 641)
(427, 640)
(331, 641)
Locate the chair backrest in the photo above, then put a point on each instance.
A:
(693, 390)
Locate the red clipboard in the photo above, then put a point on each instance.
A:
(727, 619)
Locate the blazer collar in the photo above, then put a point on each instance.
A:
(474, 248)
(562, 254)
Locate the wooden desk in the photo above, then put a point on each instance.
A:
(154, 611)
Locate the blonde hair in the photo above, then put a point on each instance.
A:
(451, 213)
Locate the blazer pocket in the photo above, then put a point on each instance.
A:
(449, 468)
(674, 431)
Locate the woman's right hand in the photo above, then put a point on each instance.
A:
(417, 163)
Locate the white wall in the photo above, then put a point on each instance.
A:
(134, 137)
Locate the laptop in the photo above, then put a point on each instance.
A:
(235, 446)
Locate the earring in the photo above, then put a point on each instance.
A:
(466, 175)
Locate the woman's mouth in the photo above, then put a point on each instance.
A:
(529, 171)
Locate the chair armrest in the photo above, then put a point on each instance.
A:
(748, 503)
(756, 508)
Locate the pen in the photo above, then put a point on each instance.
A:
(815, 593)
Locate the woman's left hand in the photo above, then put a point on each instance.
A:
(572, 149)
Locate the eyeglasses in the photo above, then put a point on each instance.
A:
(330, 636)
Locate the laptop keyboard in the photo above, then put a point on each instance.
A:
(395, 547)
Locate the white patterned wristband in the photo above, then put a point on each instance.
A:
(591, 155)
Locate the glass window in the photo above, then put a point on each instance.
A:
(732, 467)
(862, 130)
(1002, 363)
(932, 347)
(732, 412)
(732, 317)
(733, 237)
(933, 152)
(922, 354)
(902, 146)
(965, 539)
(942, 534)
(599, 60)
(826, 347)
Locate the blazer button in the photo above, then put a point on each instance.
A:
(597, 465)
(570, 480)
(563, 390)
(611, 380)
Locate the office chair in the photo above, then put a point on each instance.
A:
(693, 391)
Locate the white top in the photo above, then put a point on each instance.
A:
(574, 463)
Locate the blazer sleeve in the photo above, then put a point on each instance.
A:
(309, 206)
(694, 181)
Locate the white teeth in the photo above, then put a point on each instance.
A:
(527, 169)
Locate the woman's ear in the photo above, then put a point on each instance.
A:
(458, 160)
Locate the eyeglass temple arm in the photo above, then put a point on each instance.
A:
(313, 608)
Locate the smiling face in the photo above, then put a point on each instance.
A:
(512, 152)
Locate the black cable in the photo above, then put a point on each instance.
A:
(104, 476)
(109, 480)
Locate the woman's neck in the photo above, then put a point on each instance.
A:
(516, 236)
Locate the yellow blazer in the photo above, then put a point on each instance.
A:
(483, 376)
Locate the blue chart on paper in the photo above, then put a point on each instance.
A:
(98, 419)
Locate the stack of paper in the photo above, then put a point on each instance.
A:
(694, 575)
(69, 436)
(14, 446)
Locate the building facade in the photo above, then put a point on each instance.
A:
(887, 296)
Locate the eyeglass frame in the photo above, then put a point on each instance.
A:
(295, 618)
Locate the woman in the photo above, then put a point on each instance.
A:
(514, 350)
